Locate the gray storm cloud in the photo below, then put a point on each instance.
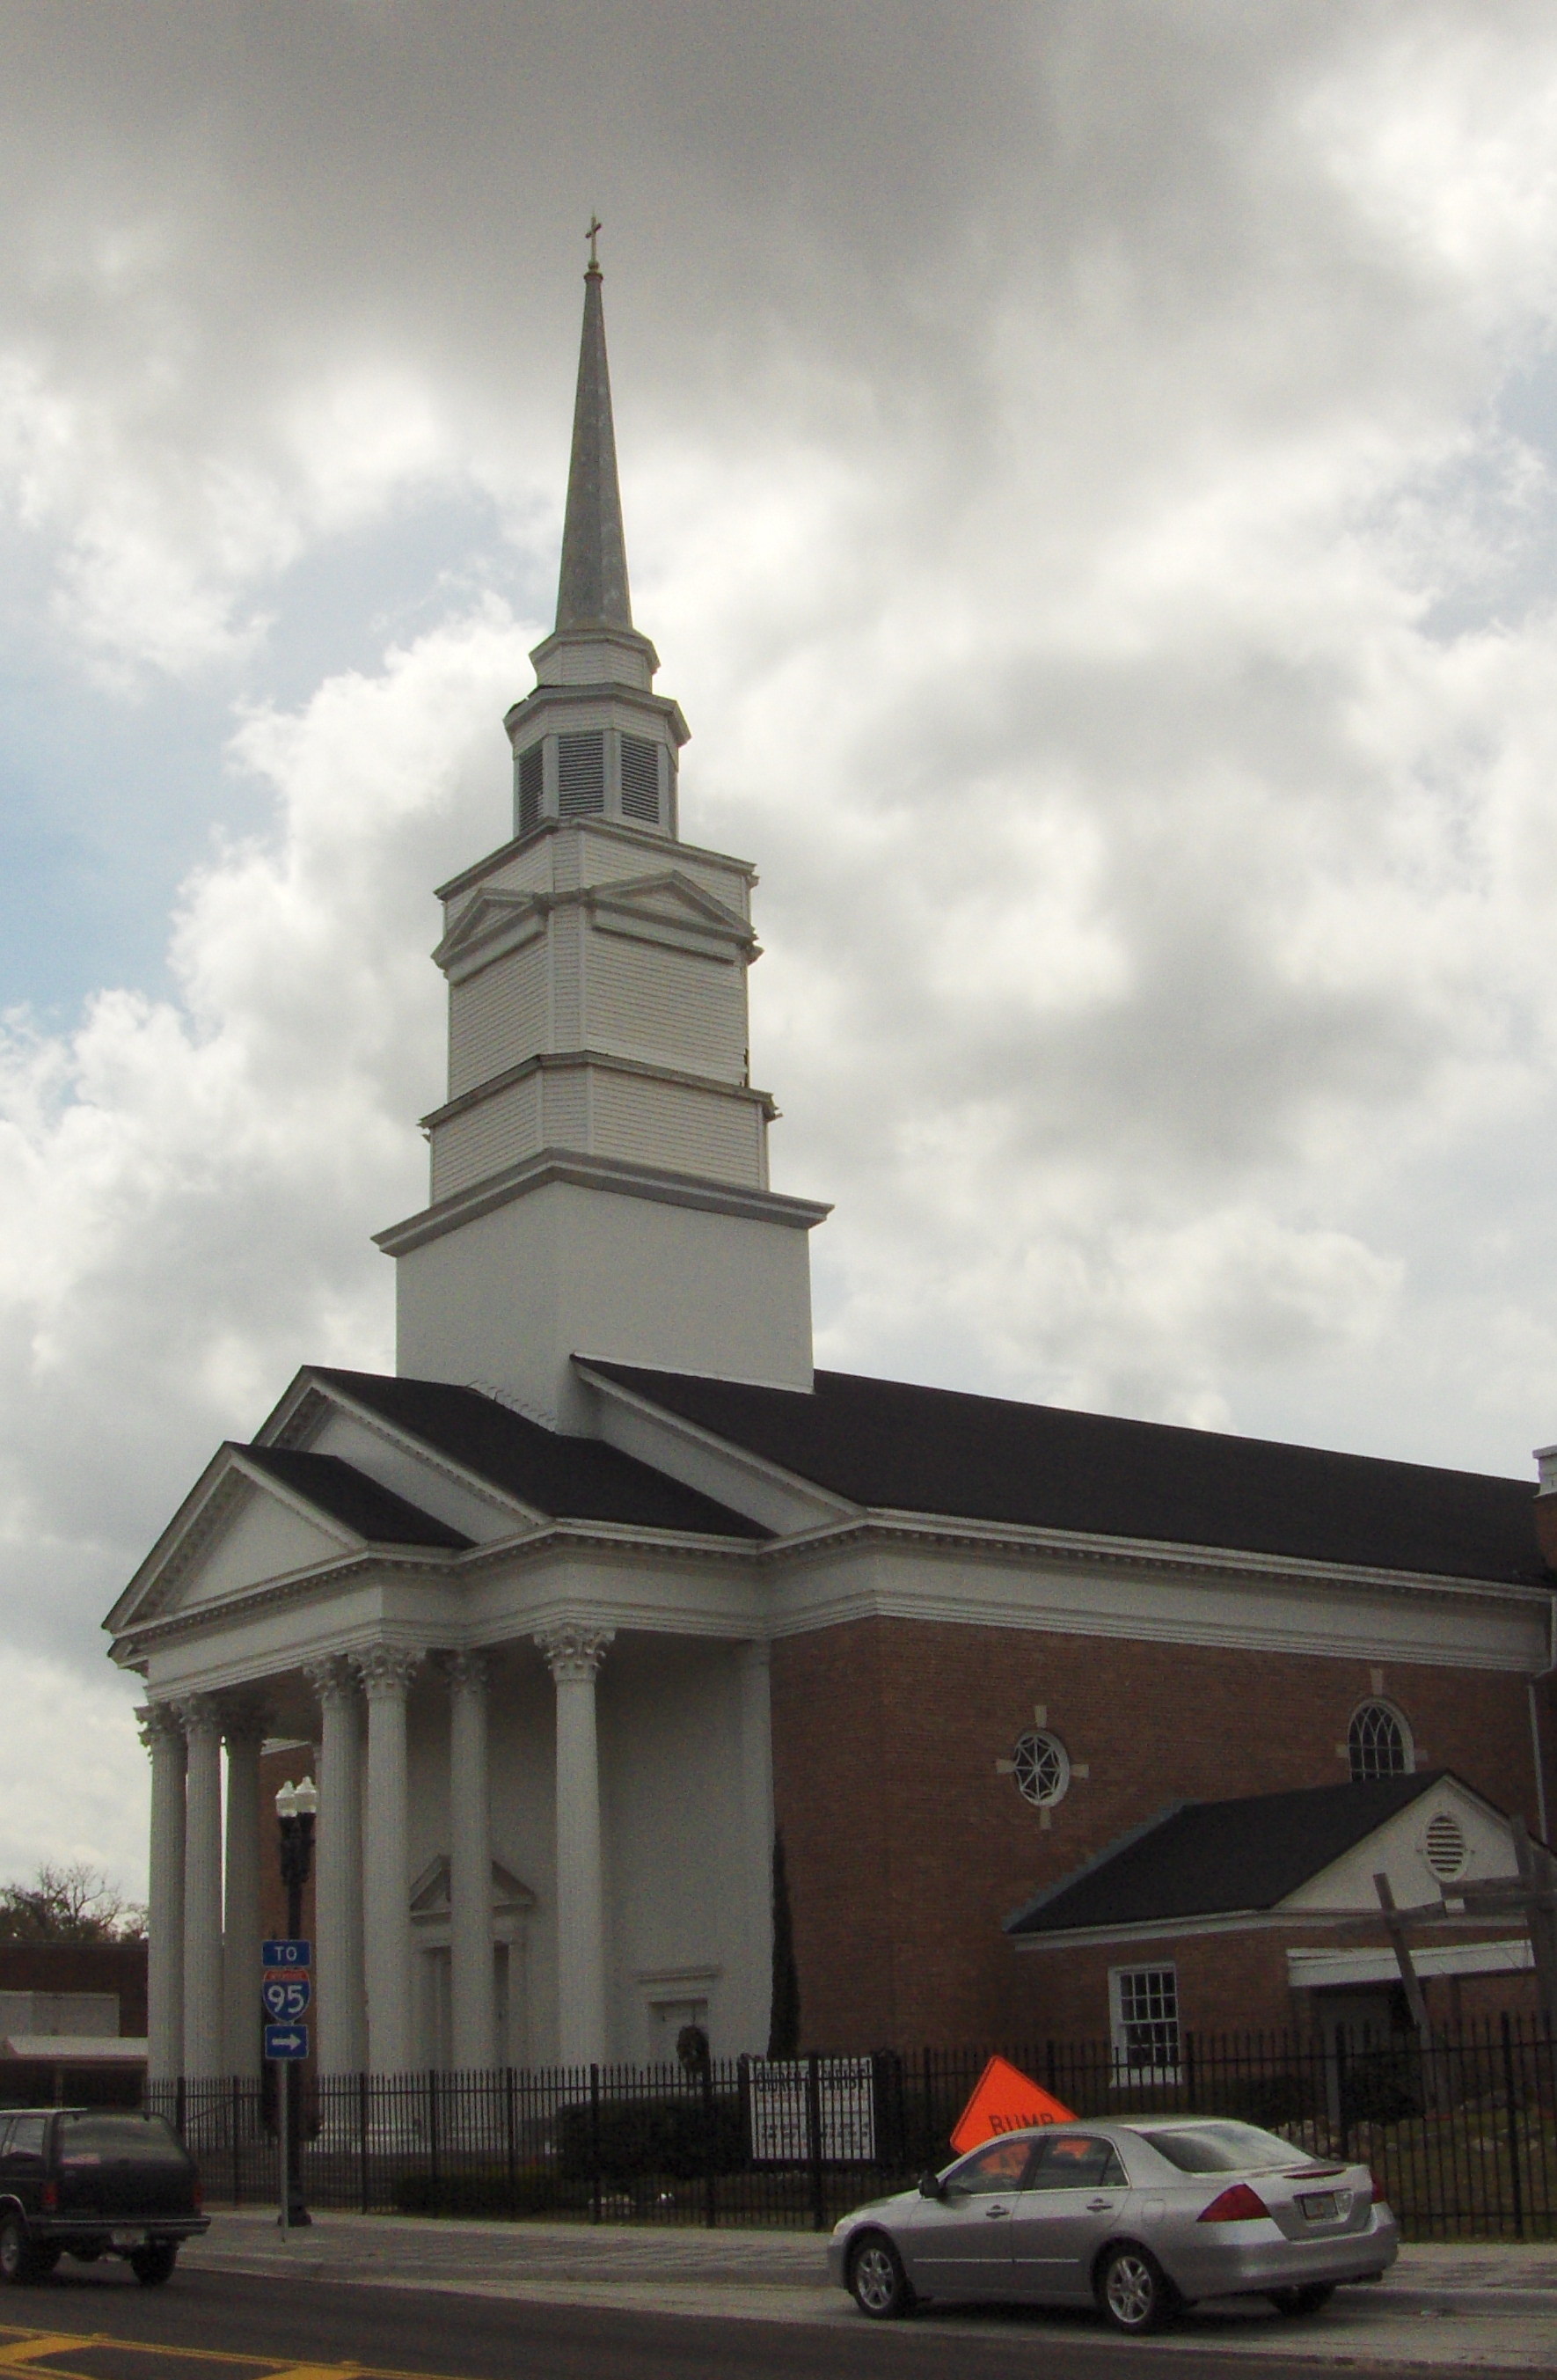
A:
(1087, 472)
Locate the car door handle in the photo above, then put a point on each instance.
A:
(1099, 2205)
(990, 2212)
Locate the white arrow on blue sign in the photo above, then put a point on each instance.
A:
(283, 1954)
(284, 2041)
(286, 1997)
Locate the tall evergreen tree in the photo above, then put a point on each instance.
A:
(783, 2032)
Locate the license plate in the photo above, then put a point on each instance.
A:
(129, 2239)
(1321, 2205)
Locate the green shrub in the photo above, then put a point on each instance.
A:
(680, 2138)
(494, 2191)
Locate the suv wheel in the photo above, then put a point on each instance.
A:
(19, 2261)
(1133, 2291)
(151, 2267)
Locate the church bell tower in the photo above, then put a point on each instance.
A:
(599, 1166)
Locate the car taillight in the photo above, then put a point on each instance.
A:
(1240, 2204)
(51, 2198)
(1379, 2191)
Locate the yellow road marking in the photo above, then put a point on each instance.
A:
(34, 2343)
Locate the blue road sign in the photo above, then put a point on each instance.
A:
(284, 2041)
(286, 1997)
(286, 1954)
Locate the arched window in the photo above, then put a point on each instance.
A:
(1042, 1767)
(1378, 1742)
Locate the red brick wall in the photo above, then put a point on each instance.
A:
(82, 1967)
(906, 1851)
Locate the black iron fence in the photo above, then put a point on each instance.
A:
(1462, 2135)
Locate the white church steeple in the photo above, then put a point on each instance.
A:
(599, 1166)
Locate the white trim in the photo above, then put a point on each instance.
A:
(1309, 1971)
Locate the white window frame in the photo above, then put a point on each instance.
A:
(1126, 2075)
(1407, 1743)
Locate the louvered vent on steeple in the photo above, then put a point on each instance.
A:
(581, 774)
(640, 779)
(531, 776)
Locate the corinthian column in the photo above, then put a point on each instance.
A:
(573, 1653)
(386, 1673)
(470, 1864)
(342, 2031)
(244, 1729)
(162, 1735)
(201, 1715)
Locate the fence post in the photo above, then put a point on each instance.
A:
(813, 2139)
(362, 2142)
(180, 2107)
(510, 2141)
(235, 2089)
(594, 2144)
(1343, 2111)
(432, 2130)
(1511, 2103)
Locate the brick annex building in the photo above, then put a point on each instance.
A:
(1066, 1723)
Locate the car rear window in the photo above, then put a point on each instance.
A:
(146, 2139)
(1222, 2148)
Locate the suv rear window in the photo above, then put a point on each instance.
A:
(143, 2140)
(1222, 2148)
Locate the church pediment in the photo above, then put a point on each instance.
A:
(670, 909)
(431, 1897)
(488, 927)
(259, 1515)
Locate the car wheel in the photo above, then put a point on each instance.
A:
(877, 2278)
(1133, 2291)
(19, 2261)
(151, 2267)
(1305, 2298)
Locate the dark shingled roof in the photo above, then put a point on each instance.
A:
(1202, 1859)
(909, 1449)
(569, 1478)
(339, 1488)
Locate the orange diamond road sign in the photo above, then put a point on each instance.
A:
(1004, 2101)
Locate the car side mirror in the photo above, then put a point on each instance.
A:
(930, 2186)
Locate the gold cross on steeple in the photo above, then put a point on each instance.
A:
(592, 235)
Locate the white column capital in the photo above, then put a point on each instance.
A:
(200, 1715)
(387, 1669)
(466, 1673)
(246, 1720)
(161, 1729)
(574, 1649)
(757, 1653)
(334, 1679)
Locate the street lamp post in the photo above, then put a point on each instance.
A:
(297, 1806)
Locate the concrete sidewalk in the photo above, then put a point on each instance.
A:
(1478, 2305)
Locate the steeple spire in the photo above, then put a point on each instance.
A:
(592, 589)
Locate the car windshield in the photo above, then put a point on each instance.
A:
(1222, 2148)
(145, 2139)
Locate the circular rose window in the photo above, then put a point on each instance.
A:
(1042, 1767)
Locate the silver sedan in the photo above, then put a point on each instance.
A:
(1142, 2216)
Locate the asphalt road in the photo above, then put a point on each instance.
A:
(95, 2324)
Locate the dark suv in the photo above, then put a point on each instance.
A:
(99, 2182)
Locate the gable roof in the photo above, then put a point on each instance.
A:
(1205, 1859)
(346, 1494)
(567, 1479)
(892, 1444)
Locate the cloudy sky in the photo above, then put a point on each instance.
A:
(1090, 475)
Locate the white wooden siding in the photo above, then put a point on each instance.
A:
(666, 1006)
(672, 1125)
(497, 1017)
(483, 1139)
